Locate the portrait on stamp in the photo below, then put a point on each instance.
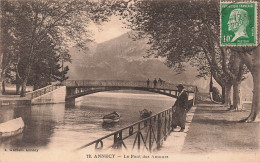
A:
(238, 23)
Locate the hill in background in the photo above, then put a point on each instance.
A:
(122, 58)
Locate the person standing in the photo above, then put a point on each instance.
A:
(180, 106)
(160, 81)
(154, 82)
(148, 83)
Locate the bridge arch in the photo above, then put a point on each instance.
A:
(79, 92)
(79, 88)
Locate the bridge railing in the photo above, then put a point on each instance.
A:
(147, 134)
(123, 83)
(42, 91)
(73, 83)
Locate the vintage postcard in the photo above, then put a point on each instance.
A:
(129, 80)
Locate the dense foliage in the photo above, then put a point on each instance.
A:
(36, 36)
(188, 32)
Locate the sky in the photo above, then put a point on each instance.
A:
(108, 30)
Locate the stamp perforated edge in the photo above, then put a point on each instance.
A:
(256, 22)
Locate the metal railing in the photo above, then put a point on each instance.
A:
(124, 83)
(147, 134)
(42, 91)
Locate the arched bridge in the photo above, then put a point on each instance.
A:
(78, 88)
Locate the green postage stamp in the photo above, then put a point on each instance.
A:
(238, 24)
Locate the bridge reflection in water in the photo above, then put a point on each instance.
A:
(147, 134)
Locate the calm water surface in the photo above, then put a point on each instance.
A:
(58, 126)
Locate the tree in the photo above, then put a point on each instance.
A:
(46, 67)
(251, 57)
(6, 50)
(184, 32)
(236, 69)
(64, 22)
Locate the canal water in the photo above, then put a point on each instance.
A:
(56, 126)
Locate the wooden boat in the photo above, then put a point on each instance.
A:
(111, 118)
(145, 113)
(11, 127)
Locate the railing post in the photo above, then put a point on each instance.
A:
(165, 126)
(159, 131)
(150, 135)
(169, 124)
(118, 140)
(172, 117)
(138, 137)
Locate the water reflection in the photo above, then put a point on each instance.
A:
(6, 113)
(108, 126)
(40, 122)
(68, 127)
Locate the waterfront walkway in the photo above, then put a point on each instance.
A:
(214, 134)
(174, 143)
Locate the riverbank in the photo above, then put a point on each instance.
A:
(13, 100)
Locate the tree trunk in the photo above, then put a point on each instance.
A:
(1, 76)
(17, 88)
(254, 115)
(1, 44)
(223, 94)
(256, 98)
(3, 87)
(227, 95)
(23, 90)
(211, 84)
(17, 84)
(236, 95)
(221, 83)
(25, 79)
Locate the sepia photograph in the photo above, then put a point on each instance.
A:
(129, 81)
